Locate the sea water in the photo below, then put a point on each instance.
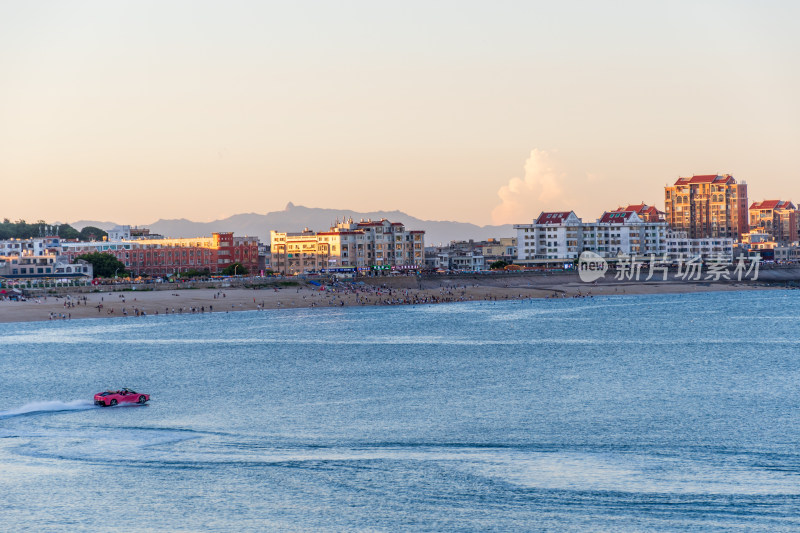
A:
(629, 413)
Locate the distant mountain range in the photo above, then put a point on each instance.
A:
(296, 218)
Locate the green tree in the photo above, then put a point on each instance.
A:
(105, 265)
(22, 230)
(234, 269)
(498, 265)
(194, 273)
(91, 233)
(65, 231)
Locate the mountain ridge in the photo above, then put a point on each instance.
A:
(295, 218)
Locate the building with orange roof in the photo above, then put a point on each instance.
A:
(646, 212)
(776, 217)
(709, 205)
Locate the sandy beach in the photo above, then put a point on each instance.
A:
(151, 300)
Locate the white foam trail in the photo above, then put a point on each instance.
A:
(48, 406)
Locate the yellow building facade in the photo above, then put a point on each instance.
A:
(379, 245)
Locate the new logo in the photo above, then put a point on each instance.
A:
(591, 267)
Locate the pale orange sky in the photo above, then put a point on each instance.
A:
(484, 112)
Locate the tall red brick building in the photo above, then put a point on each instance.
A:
(707, 206)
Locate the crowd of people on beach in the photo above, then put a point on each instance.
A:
(341, 294)
(335, 294)
(331, 294)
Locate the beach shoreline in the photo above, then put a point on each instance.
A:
(127, 300)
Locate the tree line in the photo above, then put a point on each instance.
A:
(24, 230)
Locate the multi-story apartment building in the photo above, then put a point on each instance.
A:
(776, 217)
(42, 266)
(562, 237)
(459, 260)
(624, 233)
(298, 252)
(35, 246)
(490, 250)
(394, 246)
(553, 236)
(681, 247)
(707, 206)
(380, 245)
(39, 258)
(786, 254)
(164, 257)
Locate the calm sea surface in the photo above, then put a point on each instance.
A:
(674, 412)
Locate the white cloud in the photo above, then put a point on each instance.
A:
(542, 185)
(546, 186)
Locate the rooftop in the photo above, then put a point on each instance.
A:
(773, 204)
(726, 179)
(618, 217)
(553, 217)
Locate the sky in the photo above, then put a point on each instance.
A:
(483, 112)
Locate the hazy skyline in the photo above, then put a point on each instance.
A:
(468, 111)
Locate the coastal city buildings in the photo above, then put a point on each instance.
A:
(442, 259)
(562, 236)
(42, 266)
(705, 216)
(349, 246)
(165, 257)
(471, 255)
(39, 259)
(679, 246)
(776, 217)
(29, 246)
(707, 206)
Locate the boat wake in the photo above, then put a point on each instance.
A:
(51, 406)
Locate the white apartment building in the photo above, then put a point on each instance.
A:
(619, 233)
(553, 236)
(128, 233)
(459, 260)
(119, 233)
(42, 266)
(680, 246)
(38, 259)
(35, 246)
(561, 237)
(787, 253)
